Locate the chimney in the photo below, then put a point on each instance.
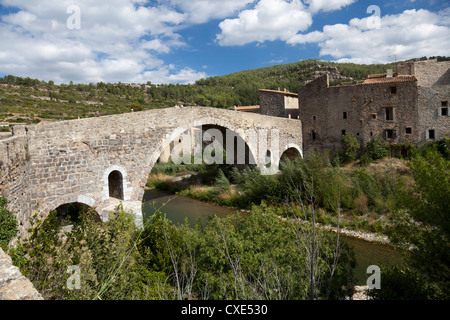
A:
(389, 73)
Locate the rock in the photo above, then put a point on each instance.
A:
(359, 293)
(13, 285)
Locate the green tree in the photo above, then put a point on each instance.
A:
(424, 228)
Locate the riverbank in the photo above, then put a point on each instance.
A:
(183, 185)
(369, 249)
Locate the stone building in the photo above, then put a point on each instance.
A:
(409, 106)
(278, 103)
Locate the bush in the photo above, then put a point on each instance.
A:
(350, 147)
(221, 182)
(8, 224)
(366, 183)
(401, 284)
(377, 148)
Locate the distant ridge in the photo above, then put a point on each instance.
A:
(26, 100)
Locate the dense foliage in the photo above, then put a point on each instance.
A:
(252, 256)
(8, 224)
(422, 229)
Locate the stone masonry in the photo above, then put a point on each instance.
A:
(47, 165)
(410, 106)
(13, 285)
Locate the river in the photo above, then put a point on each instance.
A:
(178, 208)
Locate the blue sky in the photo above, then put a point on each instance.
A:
(179, 41)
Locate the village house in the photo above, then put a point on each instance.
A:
(408, 106)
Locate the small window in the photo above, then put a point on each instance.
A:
(314, 134)
(371, 134)
(393, 90)
(343, 132)
(373, 116)
(408, 130)
(444, 103)
(345, 115)
(431, 134)
(389, 134)
(389, 113)
(314, 118)
(444, 111)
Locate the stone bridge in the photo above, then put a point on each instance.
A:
(106, 160)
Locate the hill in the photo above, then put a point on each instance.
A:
(26, 100)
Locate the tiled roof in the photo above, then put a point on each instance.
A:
(283, 92)
(377, 75)
(247, 108)
(384, 79)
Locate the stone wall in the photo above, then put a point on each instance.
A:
(328, 112)
(430, 113)
(70, 161)
(278, 103)
(13, 285)
(14, 175)
(428, 72)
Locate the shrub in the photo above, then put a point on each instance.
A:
(366, 183)
(401, 284)
(8, 224)
(221, 182)
(350, 147)
(377, 148)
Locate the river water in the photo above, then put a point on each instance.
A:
(178, 208)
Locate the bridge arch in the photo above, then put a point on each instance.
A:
(291, 151)
(206, 124)
(69, 213)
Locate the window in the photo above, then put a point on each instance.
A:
(314, 134)
(389, 134)
(343, 132)
(373, 116)
(393, 90)
(314, 118)
(444, 110)
(345, 115)
(389, 112)
(408, 130)
(431, 134)
(115, 182)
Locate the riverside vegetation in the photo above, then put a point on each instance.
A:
(257, 255)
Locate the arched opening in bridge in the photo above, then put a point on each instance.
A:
(199, 145)
(70, 213)
(211, 174)
(115, 184)
(290, 154)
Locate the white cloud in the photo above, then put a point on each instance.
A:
(327, 5)
(269, 20)
(119, 40)
(200, 11)
(413, 33)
